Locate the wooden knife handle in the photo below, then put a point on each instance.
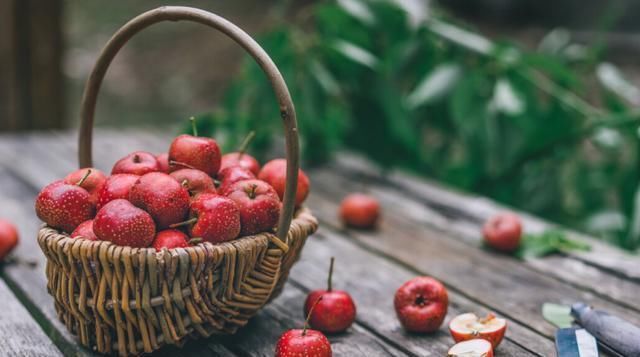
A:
(616, 333)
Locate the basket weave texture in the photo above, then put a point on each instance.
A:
(132, 300)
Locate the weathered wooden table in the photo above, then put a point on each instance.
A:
(427, 230)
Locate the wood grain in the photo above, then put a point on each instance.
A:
(19, 332)
(495, 280)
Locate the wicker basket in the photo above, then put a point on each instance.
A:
(130, 300)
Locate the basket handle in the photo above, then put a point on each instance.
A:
(178, 13)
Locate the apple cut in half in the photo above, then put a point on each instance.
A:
(471, 348)
(469, 326)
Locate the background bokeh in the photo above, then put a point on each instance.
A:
(532, 103)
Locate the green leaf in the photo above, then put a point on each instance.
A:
(612, 79)
(359, 10)
(549, 242)
(356, 53)
(505, 99)
(559, 315)
(435, 85)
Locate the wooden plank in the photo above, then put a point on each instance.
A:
(478, 209)
(372, 282)
(462, 221)
(19, 332)
(495, 280)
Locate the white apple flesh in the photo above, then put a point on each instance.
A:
(471, 348)
(469, 326)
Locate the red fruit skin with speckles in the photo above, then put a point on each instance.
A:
(198, 152)
(124, 224)
(274, 173)
(334, 313)
(195, 181)
(293, 344)
(64, 206)
(8, 238)
(85, 230)
(136, 163)
(230, 175)
(245, 161)
(218, 218)
(259, 213)
(116, 187)
(93, 183)
(162, 196)
(163, 162)
(170, 238)
(427, 317)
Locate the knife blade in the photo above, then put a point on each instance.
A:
(614, 335)
(575, 342)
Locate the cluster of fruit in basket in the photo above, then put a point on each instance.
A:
(188, 195)
(421, 306)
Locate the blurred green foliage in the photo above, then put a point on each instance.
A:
(425, 94)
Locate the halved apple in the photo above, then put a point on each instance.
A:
(469, 326)
(471, 348)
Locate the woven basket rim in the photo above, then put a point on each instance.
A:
(301, 216)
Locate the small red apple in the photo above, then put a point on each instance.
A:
(116, 186)
(503, 232)
(274, 173)
(421, 304)
(170, 238)
(195, 181)
(90, 179)
(85, 230)
(258, 203)
(124, 224)
(471, 348)
(8, 238)
(243, 160)
(194, 152)
(335, 312)
(136, 163)
(63, 206)
(214, 218)
(360, 210)
(163, 162)
(230, 175)
(303, 342)
(162, 196)
(469, 326)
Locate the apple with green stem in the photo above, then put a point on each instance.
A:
(195, 152)
(214, 218)
(258, 203)
(335, 313)
(93, 183)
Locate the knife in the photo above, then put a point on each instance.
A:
(614, 335)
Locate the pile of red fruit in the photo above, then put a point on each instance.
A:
(188, 195)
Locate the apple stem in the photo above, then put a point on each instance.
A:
(194, 128)
(252, 191)
(306, 321)
(329, 284)
(185, 223)
(84, 178)
(194, 241)
(178, 163)
(245, 143)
